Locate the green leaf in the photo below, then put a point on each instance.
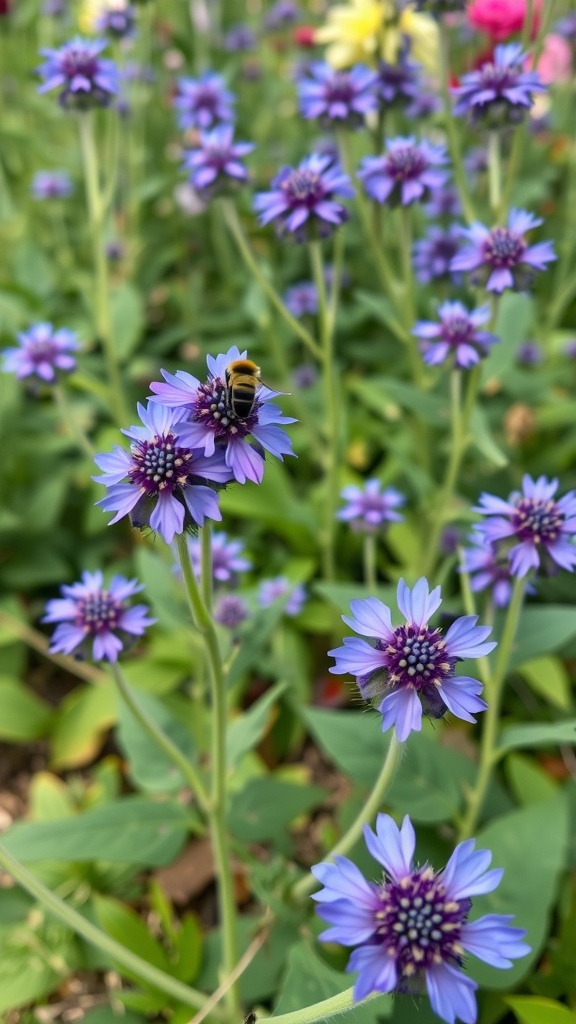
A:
(124, 924)
(247, 730)
(83, 719)
(127, 312)
(162, 590)
(49, 798)
(531, 845)
(382, 394)
(24, 716)
(352, 740)
(188, 945)
(527, 781)
(309, 980)
(264, 808)
(549, 679)
(150, 767)
(129, 831)
(261, 978)
(341, 594)
(534, 734)
(536, 1010)
(515, 317)
(542, 630)
(483, 440)
(255, 639)
(106, 1015)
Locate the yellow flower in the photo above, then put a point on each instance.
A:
(423, 32)
(365, 31)
(90, 11)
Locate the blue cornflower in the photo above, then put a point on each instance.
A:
(230, 611)
(426, 103)
(239, 38)
(411, 929)
(369, 507)
(456, 334)
(535, 520)
(51, 185)
(216, 164)
(86, 78)
(119, 21)
(488, 566)
(203, 102)
(208, 422)
(444, 203)
(410, 670)
(501, 258)
(91, 615)
(400, 82)
(500, 91)
(530, 353)
(566, 27)
(273, 589)
(406, 172)
(337, 97)
(161, 483)
(302, 198)
(227, 557)
(42, 352)
(432, 255)
(283, 12)
(302, 299)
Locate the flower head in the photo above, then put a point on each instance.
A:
(203, 102)
(456, 334)
(535, 521)
(283, 12)
(501, 258)
(273, 589)
(488, 567)
(411, 929)
(444, 203)
(302, 199)
(337, 97)
(302, 299)
(501, 18)
(118, 19)
(368, 508)
(161, 482)
(399, 82)
(365, 31)
(209, 423)
(530, 353)
(51, 185)
(216, 164)
(42, 352)
(239, 38)
(91, 615)
(407, 171)
(500, 91)
(230, 611)
(227, 557)
(86, 78)
(432, 255)
(412, 666)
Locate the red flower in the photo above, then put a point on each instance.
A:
(303, 35)
(502, 18)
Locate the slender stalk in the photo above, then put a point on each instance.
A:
(489, 753)
(319, 1011)
(96, 213)
(303, 888)
(237, 231)
(38, 642)
(331, 407)
(216, 808)
(206, 577)
(450, 125)
(158, 736)
(494, 172)
(369, 559)
(116, 951)
(70, 421)
(458, 444)
(415, 358)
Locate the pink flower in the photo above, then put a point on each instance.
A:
(555, 63)
(501, 18)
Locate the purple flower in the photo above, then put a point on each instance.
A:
(217, 163)
(239, 38)
(530, 353)
(209, 423)
(476, 160)
(432, 255)
(487, 568)
(368, 507)
(444, 203)
(412, 666)
(411, 929)
(302, 299)
(456, 334)
(117, 22)
(535, 520)
(203, 102)
(426, 103)
(305, 376)
(284, 12)
(227, 557)
(274, 589)
(405, 173)
(501, 257)
(230, 611)
(88, 615)
(500, 91)
(337, 97)
(399, 82)
(42, 352)
(161, 483)
(302, 199)
(86, 78)
(51, 185)
(566, 27)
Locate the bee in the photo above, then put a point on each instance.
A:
(242, 381)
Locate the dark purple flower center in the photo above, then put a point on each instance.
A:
(457, 330)
(303, 187)
(537, 521)
(79, 62)
(206, 98)
(416, 657)
(212, 409)
(405, 163)
(98, 613)
(498, 78)
(504, 248)
(42, 351)
(159, 465)
(418, 924)
(340, 89)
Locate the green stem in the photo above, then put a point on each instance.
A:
(369, 553)
(494, 173)
(76, 922)
(365, 815)
(96, 212)
(319, 1011)
(458, 444)
(158, 736)
(206, 576)
(450, 124)
(489, 753)
(331, 409)
(70, 422)
(217, 805)
(416, 361)
(237, 231)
